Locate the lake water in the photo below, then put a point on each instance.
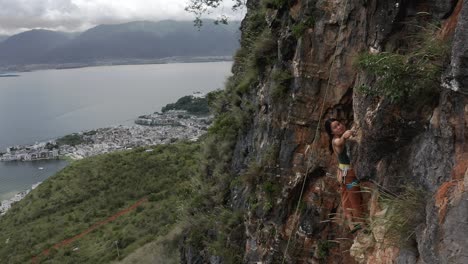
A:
(19, 176)
(41, 105)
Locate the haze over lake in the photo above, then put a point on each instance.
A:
(37, 106)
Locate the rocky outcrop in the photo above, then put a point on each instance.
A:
(457, 78)
(398, 145)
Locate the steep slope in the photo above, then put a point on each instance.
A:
(28, 47)
(101, 209)
(302, 62)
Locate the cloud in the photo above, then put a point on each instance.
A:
(78, 15)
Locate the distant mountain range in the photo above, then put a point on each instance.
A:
(3, 37)
(143, 40)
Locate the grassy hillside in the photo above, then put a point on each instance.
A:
(135, 206)
(86, 193)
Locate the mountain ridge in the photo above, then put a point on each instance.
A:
(3, 37)
(132, 40)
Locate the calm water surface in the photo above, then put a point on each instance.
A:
(41, 105)
(19, 176)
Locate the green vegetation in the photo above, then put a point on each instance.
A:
(193, 105)
(271, 187)
(398, 78)
(323, 248)
(270, 157)
(260, 183)
(252, 176)
(249, 79)
(201, 7)
(90, 133)
(72, 140)
(92, 190)
(258, 50)
(274, 4)
(50, 146)
(264, 50)
(404, 212)
(163, 250)
(220, 232)
(408, 74)
(299, 28)
(281, 79)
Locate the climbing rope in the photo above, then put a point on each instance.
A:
(317, 133)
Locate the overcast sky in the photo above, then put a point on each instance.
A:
(79, 15)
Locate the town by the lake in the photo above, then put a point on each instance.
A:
(149, 130)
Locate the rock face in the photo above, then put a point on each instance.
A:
(457, 79)
(396, 146)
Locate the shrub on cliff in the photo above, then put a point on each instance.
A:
(399, 77)
(406, 75)
(264, 50)
(281, 81)
(298, 29)
(274, 4)
(403, 213)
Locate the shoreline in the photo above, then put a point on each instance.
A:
(6, 204)
(78, 65)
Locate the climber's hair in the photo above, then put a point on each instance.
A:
(328, 123)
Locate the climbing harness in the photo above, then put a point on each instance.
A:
(317, 132)
(344, 168)
(354, 183)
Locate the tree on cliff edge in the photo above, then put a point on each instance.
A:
(201, 7)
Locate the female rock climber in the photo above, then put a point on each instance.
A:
(349, 184)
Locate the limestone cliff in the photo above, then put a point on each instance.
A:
(291, 203)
